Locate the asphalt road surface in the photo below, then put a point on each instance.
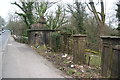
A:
(20, 61)
(0, 56)
(3, 43)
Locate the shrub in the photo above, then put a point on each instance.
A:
(56, 41)
(21, 39)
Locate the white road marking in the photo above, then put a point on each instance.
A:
(9, 44)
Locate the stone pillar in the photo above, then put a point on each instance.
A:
(79, 46)
(29, 36)
(65, 43)
(110, 56)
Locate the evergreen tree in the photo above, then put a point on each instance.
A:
(118, 16)
(2, 22)
(77, 10)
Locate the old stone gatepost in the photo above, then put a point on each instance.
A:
(79, 45)
(110, 57)
(35, 36)
(65, 48)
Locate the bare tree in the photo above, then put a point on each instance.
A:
(100, 16)
(41, 8)
(27, 15)
(57, 20)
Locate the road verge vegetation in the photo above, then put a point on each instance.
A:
(64, 62)
(21, 39)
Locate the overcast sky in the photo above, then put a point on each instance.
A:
(6, 7)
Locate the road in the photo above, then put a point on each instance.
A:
(1, 56)
(3, 43)
(20, 61)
